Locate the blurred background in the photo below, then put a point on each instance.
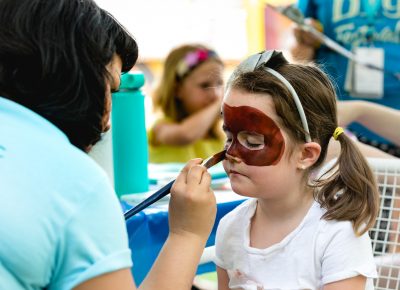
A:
(234, 28)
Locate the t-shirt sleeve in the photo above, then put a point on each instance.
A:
(229, 236)
(94, 240)
(219, 244)
(346, 255)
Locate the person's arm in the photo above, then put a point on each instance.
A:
(191, 129)
(192, 213)
(191, 218)
(223, 279)
(367, 150)
(382, 120)
(355, 283)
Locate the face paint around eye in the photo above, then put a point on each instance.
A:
(251, 141)
(246, 120)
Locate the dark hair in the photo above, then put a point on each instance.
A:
(350, 192)
(53, 58)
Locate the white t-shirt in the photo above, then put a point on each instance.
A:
(317, 252)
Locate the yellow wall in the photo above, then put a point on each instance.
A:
(255, 25)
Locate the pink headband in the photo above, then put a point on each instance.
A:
(192, 60)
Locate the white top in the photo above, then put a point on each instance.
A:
(317, 252)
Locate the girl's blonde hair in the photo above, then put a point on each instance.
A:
(350, 192)
(164, 97)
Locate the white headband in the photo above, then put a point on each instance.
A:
(295, 98)
(261, 59)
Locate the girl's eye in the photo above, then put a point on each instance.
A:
(253, 145)
(205, 86)
(252, 141)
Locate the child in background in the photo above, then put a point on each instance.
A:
(294, 232)
(188, 103)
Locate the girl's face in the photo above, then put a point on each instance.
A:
(203, 86)
(257, 148)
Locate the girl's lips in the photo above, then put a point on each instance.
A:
(235, 172)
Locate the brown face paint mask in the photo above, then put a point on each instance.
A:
(248, 120)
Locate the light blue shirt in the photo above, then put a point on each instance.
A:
(60, 220)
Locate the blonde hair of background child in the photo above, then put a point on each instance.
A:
(164, 98)
(349, 192)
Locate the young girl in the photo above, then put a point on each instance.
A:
(292, 233)
(188, 101)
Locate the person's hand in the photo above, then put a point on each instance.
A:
(192, 207)
(216, 104)
(305, 44)
(306, 38)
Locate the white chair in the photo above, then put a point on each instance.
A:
(385, 235)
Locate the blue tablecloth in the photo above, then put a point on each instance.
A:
(148, 230)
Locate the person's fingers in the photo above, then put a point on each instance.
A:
(182, 177)
(194, 175)
(192, 205)
(304, 37)
(309, 38)
(205, 179)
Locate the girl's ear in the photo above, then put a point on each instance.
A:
(309, 155)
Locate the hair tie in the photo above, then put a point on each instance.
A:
(338, 131)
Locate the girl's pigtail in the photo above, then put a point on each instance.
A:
(350, 192)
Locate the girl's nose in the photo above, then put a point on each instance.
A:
(232, 158)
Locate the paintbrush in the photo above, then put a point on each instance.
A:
(165, 190)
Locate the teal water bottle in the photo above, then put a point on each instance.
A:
(130, 152)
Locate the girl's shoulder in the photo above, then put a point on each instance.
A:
(327, 231)
(240, 214)
(233, 225)
(315, 215)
